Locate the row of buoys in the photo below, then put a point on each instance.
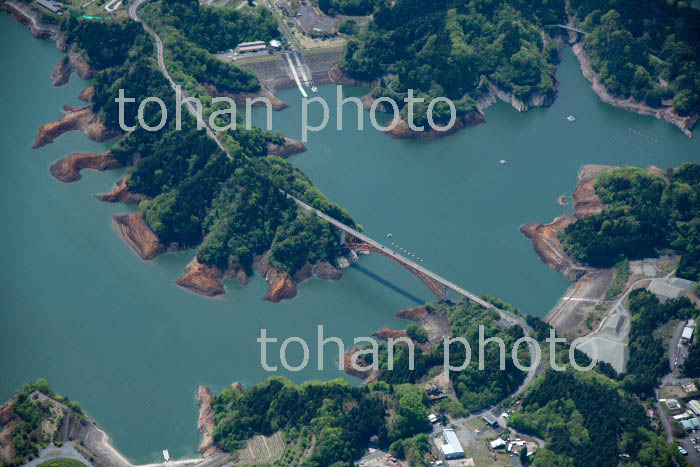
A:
(639, 133)
(406, 251)
(634, 147)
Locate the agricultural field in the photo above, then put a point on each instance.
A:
(262, 450)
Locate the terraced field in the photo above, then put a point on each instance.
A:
(262, 450)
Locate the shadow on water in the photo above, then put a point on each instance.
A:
(387, 284)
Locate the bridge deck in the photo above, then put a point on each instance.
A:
(570, 28)
(450, 285)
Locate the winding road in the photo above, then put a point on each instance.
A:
(133, 14)
(511, 320)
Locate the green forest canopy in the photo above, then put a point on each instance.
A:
(649, 50)
(446, 48)
(585, 419)
(232, 207)
(217, 29)
(341, 417)
(644, 213)
(475, 389)
(348, 7)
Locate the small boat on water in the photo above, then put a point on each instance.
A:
(389, 235)
(571, 118)
(503, 162)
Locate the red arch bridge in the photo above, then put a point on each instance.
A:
(351, 238)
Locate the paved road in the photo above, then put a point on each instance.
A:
(670, 379)
(571, 28)
(283, 24)
(53, 452)
(675, 351)
(389, 252)
(133, 13)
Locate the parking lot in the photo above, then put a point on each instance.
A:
(691, 444)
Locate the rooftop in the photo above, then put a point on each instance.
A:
(247, 44)
(665, 289)
(452, 445)
(488, 418)
(690, 424)
(687, 333)
(695, 406)
(49, 5)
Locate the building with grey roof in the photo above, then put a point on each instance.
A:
(670, 288)
(53, 7)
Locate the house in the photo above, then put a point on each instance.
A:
(254, 46)
(687, 335)
(253, 43)
(489, 419)
(672, 404)
(451, 447)
(689, 387)
(682, 416)
(498, 443)
(251, 48)
(275, 43)
(691, 424)
(694, 406)
(517, 445)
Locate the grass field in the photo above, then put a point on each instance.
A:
(62, 462)
(475, 424)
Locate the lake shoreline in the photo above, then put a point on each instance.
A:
(572, 307)
(668, 114)
(133, 229)
(401, 129)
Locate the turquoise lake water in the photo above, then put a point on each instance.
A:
(80, 309)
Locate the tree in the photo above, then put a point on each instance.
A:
(691, 366)
(411, 415)
(417, 333)
(524, 460)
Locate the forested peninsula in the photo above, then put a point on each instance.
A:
(189, 193)
(646, 56)
(645, 213)
(583, 418)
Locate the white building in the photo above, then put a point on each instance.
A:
(452, 448)
(687, 335)
(498, 443)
